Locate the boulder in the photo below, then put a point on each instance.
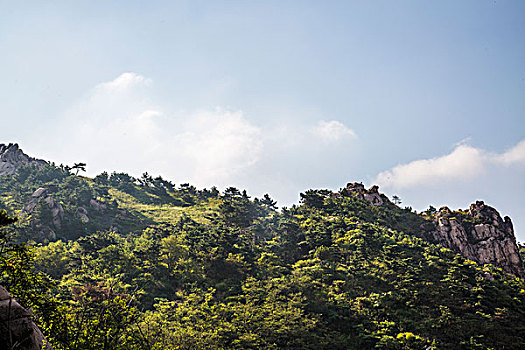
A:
(97, 205)
(82, 214)
(57, 212)
(17, 329)
(33, 200)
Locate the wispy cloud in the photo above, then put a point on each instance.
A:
(332, 131)
(121, 125)
(117, 126)
(219, 143)
(124, 81)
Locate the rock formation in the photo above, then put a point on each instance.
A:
(98, 206)
(17, 329)
(82, 214)
(12, 157)
(481, 235)
(478, 234)
(372, 194)
(55, 208)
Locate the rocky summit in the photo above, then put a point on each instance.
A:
(481, 235)
(372, 194)
(12, 158)
(478, 234)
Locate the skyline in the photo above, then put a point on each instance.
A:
(425, 100)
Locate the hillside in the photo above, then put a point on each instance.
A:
(116, 262)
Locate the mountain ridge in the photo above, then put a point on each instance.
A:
(139, 263)
(479, 233)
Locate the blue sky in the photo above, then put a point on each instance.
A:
(426, 99)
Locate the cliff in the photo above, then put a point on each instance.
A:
(481, 235)
(478, 234)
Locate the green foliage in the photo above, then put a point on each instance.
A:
(108, 202)
(197, 269)
(307, 278)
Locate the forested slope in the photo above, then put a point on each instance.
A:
(158, 266)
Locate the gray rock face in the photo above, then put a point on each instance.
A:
(12, 157)
(478, 234)
(54, 207)
(101, 207)
(57, 212)
(82, 214)
(372, 194)
(33, 201)
(17, 329)
(481, 235)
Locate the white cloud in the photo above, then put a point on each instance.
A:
(515, 155)
(332, 131)
(463, 163)
(219, 143)
(119, 125)
(116, 126)
(122, 82)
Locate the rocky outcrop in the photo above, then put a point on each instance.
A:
(17, 329)
(98, 206)
(57, 212)
(82, 214)
(49, 203)
(372, 194)
(478, 234)
(54, 206)
(481, 235)
(12, 158)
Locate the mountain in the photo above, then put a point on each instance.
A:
(110, 203)
(478, 234)
(117, 262)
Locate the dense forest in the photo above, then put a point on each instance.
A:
(117, 262)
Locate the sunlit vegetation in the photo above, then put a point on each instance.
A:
(199, 269)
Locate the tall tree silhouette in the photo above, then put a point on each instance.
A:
(78, 167)
(396, 200)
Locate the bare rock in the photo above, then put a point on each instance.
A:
(12, 158)
(49, 203)
(54, 206)
(97, 205)
(478, 234)
(33, 200)
(57, 212)
(481, 235)
(82, 214)
(39, 192)
(17, 329)
(47, 233)
(372, 194)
